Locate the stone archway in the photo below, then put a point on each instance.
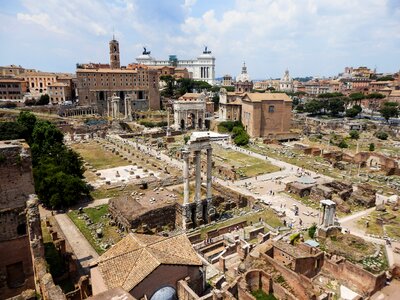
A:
(192, 123)
(200, 123)
(183, 124)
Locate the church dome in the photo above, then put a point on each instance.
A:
(165, 293)
(243, 77)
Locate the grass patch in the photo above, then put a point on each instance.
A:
(267, 215)
(107, 192)
(98, 157)
(96, 215)
(245, 165)
(261, 295)
(353, 248)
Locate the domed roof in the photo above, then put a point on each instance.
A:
(165, 293)
(306, 180)
(242, 77)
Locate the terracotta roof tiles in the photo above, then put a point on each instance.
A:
(137, 255)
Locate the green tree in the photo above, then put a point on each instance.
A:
(242, 139)
(28, 121)
(389, 110)
(169, 88)
(356, 97)
(343, 144)
(372, 147)
(335, 106)
(354, 134)
(382, 135)
(313, 106)
(43, 100)
(11, 131)
(385, 78)
(374, 101)
(312, 230)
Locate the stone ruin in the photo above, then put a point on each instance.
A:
(345, 194)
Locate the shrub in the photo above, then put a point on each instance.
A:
(30, 102)
(381, 135)
(8, 104)
(312, 230)
(242, 139)
(343, 144)
(43, 100)
(354, 134)
(372, 147)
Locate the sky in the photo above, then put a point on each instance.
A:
(307, 37)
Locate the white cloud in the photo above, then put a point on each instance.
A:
(307, 36)
(41, 19)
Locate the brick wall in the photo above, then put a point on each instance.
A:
(355, 277)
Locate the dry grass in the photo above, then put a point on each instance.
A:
(98, 157)
(244, 164)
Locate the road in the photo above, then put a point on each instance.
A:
(80, 246)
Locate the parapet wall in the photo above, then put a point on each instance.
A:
(15, 173)
(361, 280)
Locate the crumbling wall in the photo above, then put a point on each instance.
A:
(239, 199)
(16, 270)
(302, 286)
(362, 281)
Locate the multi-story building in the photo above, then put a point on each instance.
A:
(355, 84)
(202, 68)
(271, 84)
(12, 88)
(317, 87)
(96, 85)
(227, 80)
(59, 92)
(38, 81)
(11, 71)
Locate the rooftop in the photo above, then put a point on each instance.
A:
(132, 259)
(258, 97)
(290, 249)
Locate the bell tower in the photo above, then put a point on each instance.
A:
(114, 54)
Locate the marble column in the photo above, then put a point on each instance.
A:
(209, 174)
(185, 155)
(197, 195)
(126, 107)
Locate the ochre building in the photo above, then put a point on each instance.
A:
(95, 85)
(266, 114)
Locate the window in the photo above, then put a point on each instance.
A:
(21, 229)
(271, 109)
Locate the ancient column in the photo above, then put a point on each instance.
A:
(209, 174)
(108, 107)
(185, 156)
(126, 108)
(197, 195)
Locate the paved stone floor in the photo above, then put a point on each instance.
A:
(81, 247)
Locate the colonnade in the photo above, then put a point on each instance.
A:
(186, 188)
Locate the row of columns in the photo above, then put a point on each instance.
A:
(186, 187)
(204, 72)
(80, 112)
